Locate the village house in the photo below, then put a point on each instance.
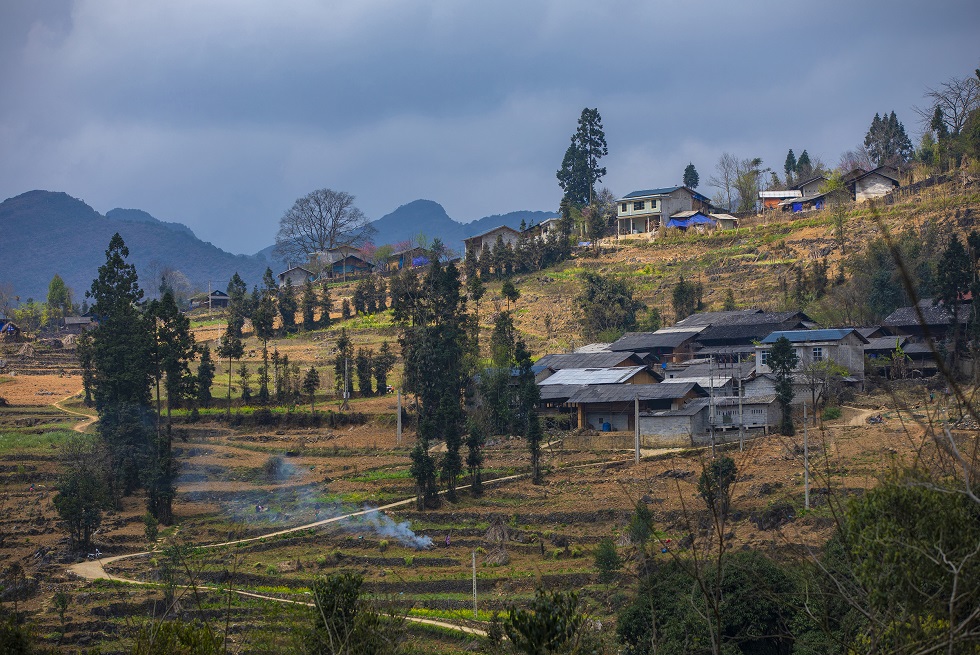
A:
(928, 316)
(343, 261)
(408, 258)
(297, 276)
(76, 324)
(671, 344)
(725, 221)
(215, 300)
(485, 241)
(771, 199)
(736, 331)
(843, 346)
(874, 184)
(645, 211)
(611, 407)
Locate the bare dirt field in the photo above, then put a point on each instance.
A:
(38, 389)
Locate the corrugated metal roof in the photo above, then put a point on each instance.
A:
(691, 408)
(652, 192)
(788, 193)
(604, 375)
(604, 359)
(558, 392)
(614, 393)
(593, 348)
(708, 381)
(805, 336)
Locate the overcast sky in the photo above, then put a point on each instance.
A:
(220, 114)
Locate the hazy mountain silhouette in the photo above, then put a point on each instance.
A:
(48, 232)
(430, 219)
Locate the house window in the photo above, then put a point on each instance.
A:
(624, 206)
(640, 204)
(818, 354)
(764, 357)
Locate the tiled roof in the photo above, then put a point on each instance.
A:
(884, 343)
(932, 314)
(612, 393)
(668, 338)
(705, 319)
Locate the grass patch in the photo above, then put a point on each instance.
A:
(23, 440)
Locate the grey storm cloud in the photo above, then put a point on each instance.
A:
(220, 114)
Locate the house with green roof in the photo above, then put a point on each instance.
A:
(642, 212)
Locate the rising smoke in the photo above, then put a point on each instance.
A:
(385, 527)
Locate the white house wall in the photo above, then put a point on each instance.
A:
(872, 186)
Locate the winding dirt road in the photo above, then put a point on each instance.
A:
(82, 425)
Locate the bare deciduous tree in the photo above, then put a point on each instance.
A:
(955, 98)
(726, 172)
(321, 220)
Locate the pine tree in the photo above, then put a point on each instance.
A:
(173, 350)
(311, 382)
(288, 306)
(231, 347)
(343, 362)
(237, 296)
(326, 306)
(580, 170)
(789, 167)
(362, 362)
(887, 142)
(783, 360)
(122, 366)
(263, 320)
(691, 177)
(382, 365)
(955, 274)
(243, 379)
(475, 440)
(434, 346)
(205, 377)
(804, 168)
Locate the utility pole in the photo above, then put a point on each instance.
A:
(636, 427)
(741, 415)
(711, 402)
(475, 613)
(806, 462)
(346, 405)
(399, 440)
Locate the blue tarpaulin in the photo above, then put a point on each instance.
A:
(684, 223)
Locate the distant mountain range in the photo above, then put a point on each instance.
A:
(431, 220)
(43, 233)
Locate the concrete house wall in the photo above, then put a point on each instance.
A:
(667, 429)
(848, 352)
(871, 186)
